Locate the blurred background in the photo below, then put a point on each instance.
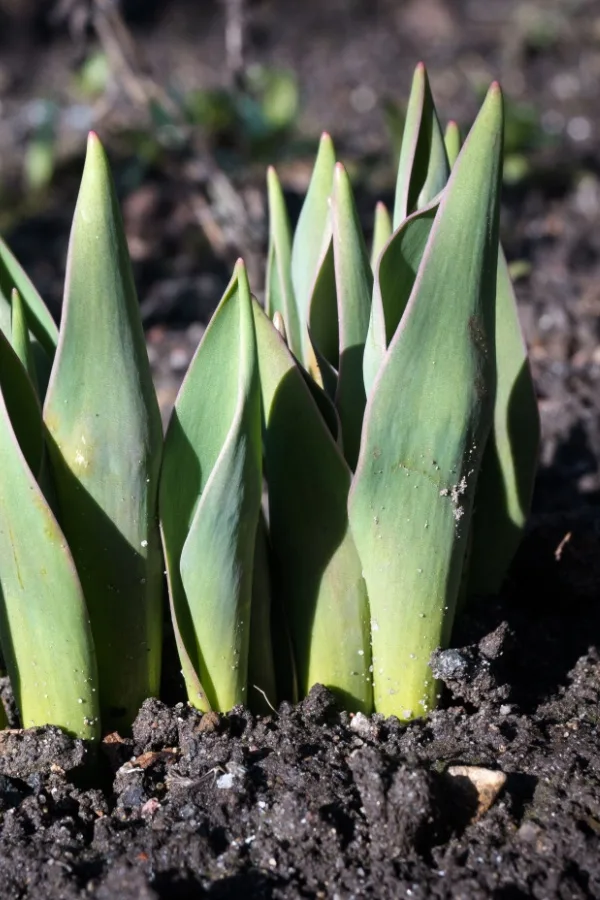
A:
(193, 98)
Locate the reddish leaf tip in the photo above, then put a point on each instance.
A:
(94, 145)
(339, 174)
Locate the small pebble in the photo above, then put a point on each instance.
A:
(361, 725)
(225, 782)
(487, 782)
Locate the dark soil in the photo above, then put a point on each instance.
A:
(310, 802)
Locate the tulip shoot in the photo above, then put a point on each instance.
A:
(104, 440)
(339, 472)
(411, 498)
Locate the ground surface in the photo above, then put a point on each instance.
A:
(305, 803)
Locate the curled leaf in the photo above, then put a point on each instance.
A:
(210, 500)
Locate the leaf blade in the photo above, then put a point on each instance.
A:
(12, 275)
(411, 496)
(320, 576)
(394, 279)
(423, 166)
(505, 485)
(43, 617)
(279, 291)
(452, 142)
(210, 500)
(311, 237)
(20, 337)
(104, 440)
(382, 232)
(354, 286)
(262, 684)
(22, 406)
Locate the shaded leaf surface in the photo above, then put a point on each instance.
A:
(105, 438)
(210, 498)
(44, 627)
(318, 570)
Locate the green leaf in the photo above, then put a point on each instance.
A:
(20, 337)
(22, 406)
(311, 237)
(354, 286)
(505, 484)
(262, 688)
(426, 424)
(279, 292)
(210, 499)
(452, 142)
(394, 279)
(323, 315)
(319, 573)
(41, 360)
(325, 404)
(104, 439)
(284, 664)
(323, 324)
(382, 232)
(280, 96)
(22, 401)
(44, 629)
(41, 323)
(423, 167)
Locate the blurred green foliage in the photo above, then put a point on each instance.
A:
(253, 114)
(40, 151)
(93, 76)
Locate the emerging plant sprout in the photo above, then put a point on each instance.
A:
(382, 403)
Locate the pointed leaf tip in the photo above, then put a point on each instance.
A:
(326, 139)
(494, 98)
(95, 156)
(494, 92)
(107, 499)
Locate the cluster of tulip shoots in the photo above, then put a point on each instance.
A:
(382, 403)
